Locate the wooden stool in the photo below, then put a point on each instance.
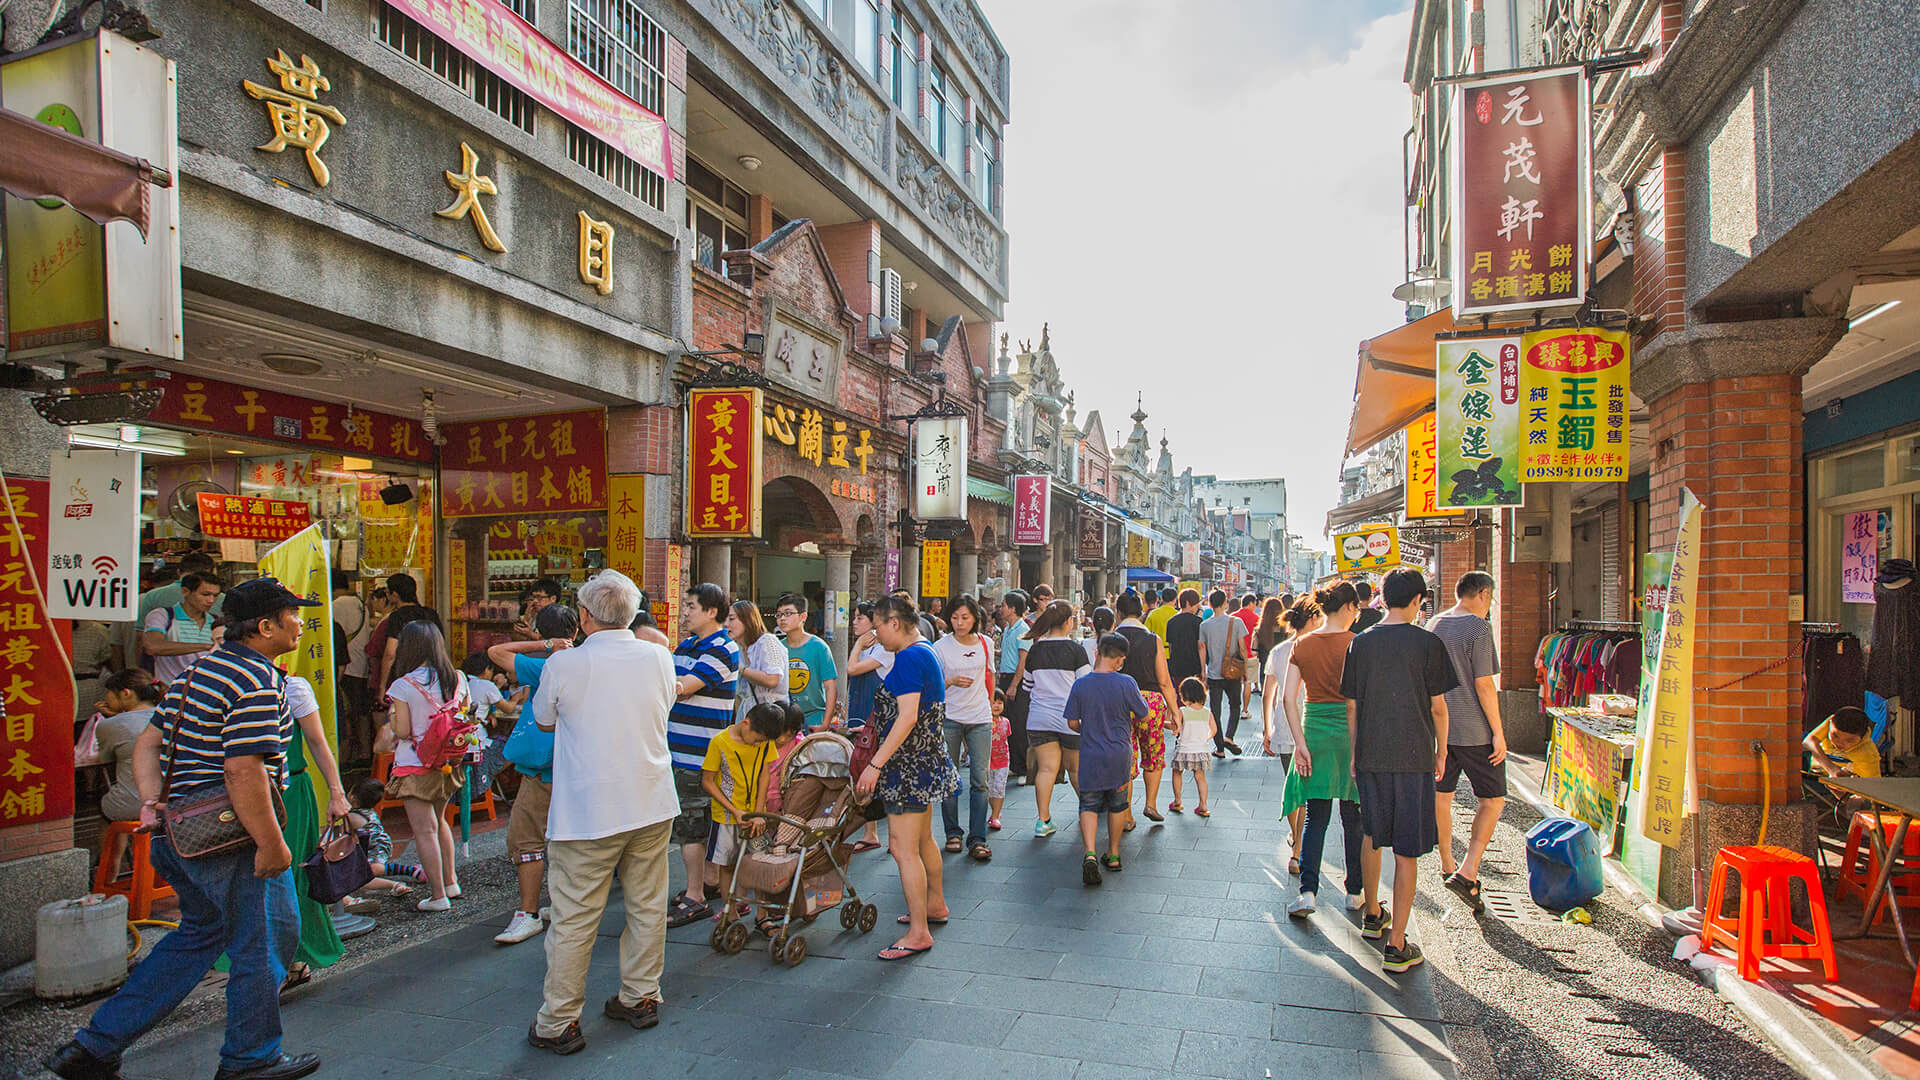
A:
(1762, 926)
(382, 768)
(144, 886)
(1903, 887)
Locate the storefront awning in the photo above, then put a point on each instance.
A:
(1148, 573)
(45, 162)
(988, 491)
(1394, 386)
(1379, 505)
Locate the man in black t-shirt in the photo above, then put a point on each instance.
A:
(1369, 616)
(1394, 682)
(1183, 638)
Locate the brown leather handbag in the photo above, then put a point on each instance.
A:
(205, 823)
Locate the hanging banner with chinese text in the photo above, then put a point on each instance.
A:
(1373, 547)
(243, 518)
(1662, 763)
(940, 469)
(1573, 388)
(1423, 495)
(300, 563)
(1521, 192)
(890, 571)
(1032, 509)
(1139, 549)
(552, 463)
(93, 548)
(1093, 537)
(1477, 422)
(211, 405)
(1859, 556)
(397, 536)
(1189, 557)
(627, 525)
(935, 558)
(36, 684)
(723, 463)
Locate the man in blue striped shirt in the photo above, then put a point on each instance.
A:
(221, 723)
(707, 664)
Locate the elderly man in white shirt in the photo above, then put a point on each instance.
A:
(606, 700)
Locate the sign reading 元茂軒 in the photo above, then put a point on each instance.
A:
(1573, 407)
(1477, 422)
(93, 539)
(1371, 547)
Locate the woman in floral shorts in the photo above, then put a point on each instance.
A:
(1147, 663)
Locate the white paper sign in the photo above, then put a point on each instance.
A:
(940, 468)
(93, 537)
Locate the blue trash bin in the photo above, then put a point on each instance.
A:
(1563, 864)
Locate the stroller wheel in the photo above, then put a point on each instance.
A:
(796, 951)
(849, 915)
(777, 947)
(718, 938)
(869, 916)
(735, 939)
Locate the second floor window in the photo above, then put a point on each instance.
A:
(717, 214)
(866, 35)
(904, 44)
(948, 118)
(617, 40)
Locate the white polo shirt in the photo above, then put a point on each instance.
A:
(608, 700)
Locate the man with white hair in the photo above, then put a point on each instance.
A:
(606, 701)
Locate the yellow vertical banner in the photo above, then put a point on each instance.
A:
(1573, 405)
(934, 557)
(1663, 762)
(457, 593)
(300, 562)
(1423, 470)
(627, 525)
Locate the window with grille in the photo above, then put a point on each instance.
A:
(616, 168)
(420, 45)
(617, 40)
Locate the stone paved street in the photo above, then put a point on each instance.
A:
(1182, 965)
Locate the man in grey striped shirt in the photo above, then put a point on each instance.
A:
(221, 723)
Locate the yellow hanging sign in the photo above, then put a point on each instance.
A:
(1573, 406)
(1663, 762)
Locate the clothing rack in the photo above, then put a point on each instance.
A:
(1822, 628)
(1621, 625)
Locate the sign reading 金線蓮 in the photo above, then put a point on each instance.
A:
(1859, 556)
(940, 468)
(1573, 406)
(1371, 547)
(1032, 509)
(1477, 422)
(93, 538)
(723, 463)
(1521, 191)
(1423, 495)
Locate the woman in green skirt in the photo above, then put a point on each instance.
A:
(1322, 770)
(319, 943)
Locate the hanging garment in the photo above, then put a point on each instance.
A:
(1833, 675)
(1893, 667)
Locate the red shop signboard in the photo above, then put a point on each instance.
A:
(723, 463)
(243, 518)
(1032, 510)
(1522, 187)
(211, 405)
(36, 734)
(554, 463)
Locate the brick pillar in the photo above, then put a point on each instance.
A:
(642, 439)
(853, 249)
(759, 218)
(1453, 559)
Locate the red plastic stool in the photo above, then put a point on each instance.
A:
(483, 803)
(1762, 926)
(1904, 887)
(144, 886)
(382, 768)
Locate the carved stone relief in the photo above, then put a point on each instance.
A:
(793, 48)
(932, 188)
(966, 28)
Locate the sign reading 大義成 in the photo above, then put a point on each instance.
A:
(1573, 407)
(1093, 537)
(1521, 192)
(93, 539)
(1032, 509)
(1477, 422)
(1371, 547)
(940, 468)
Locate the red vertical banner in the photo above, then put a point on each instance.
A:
(1032, 509)
(36, 685)
(723, 463)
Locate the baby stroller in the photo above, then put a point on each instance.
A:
(798, 854)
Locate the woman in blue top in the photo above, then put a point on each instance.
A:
(910, 769)
(530, 750)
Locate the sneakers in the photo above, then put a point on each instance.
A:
(522, 927)
(1090, 870)
(1402, 958)
(641, 1016)
(1303, 905)
(284, 1067)
(567, 1042)
(1042, 829)
(430, 904)
(1373, 927)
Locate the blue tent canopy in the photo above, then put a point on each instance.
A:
(1148, 573)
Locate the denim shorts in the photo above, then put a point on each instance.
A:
(1110, 801)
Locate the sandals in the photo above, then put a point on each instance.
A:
(954, 844)
(766, 926)
(981, 853)
(1201, 811)
(1175, 807)
(907, 920)
(297, 976)
(1111, 862)
(901, 952)
(682, 910)
(1152, 814)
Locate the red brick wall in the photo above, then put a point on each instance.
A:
(848, 247)
(1520, 616)
(36, 839)
(720, 311)
(1736, 443)
(1660, 244)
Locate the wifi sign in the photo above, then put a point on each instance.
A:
(93, 535)
(104, 565)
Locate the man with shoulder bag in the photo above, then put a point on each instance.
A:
(209, 769)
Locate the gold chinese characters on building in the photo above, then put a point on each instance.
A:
(827, 444)
(299, 119)
(596, 254)
(468, 186)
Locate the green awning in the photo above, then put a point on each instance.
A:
(988, 491)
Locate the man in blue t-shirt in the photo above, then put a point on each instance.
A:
(812, 679)
(1102, 707)
(707, 664)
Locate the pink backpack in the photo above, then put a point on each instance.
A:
(448, 733)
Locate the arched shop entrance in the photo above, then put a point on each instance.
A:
(801, 527)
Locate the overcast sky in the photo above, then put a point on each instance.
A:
(1204, 202)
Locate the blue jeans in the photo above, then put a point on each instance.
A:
(223, 908)
(1319, 816)
(977, 739)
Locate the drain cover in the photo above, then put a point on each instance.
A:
(1516, 907)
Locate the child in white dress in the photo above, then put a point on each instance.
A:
(1194, 751)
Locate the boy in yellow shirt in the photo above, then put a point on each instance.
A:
(1843, 745)
(731, 774)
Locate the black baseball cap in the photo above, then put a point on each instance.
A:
(261, 598)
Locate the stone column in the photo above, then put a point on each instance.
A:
(1726, 415)
(910, 571)
(1100, 585)
(839, 580)
(716, 565)
(966, 573)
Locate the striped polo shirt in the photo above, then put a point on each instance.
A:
(227, 705)
(715, 660)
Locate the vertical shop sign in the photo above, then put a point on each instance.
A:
(1423, 493)
(553, 463)
(1139, 549)
(1574, 406)
(1032, 509)
(627, 524)
(1664, 761)
(36, 725)
(300, 562)
(93, 538)
(457, 593)
(1189, 557)
(1477, 422)
(935, 556)
(723, 463)
(1859, 556)
(1092, 546)
(940, 468)
(666, 611)
(1521, 190)
(890, 573)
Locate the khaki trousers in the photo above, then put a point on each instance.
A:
(579, 876)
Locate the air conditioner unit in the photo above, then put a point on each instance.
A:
(890, 294)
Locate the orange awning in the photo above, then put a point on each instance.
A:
(1394, 386)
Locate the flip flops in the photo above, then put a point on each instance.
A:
(865, 845)
(907, 920)
(1201, 811)
(902, 952)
